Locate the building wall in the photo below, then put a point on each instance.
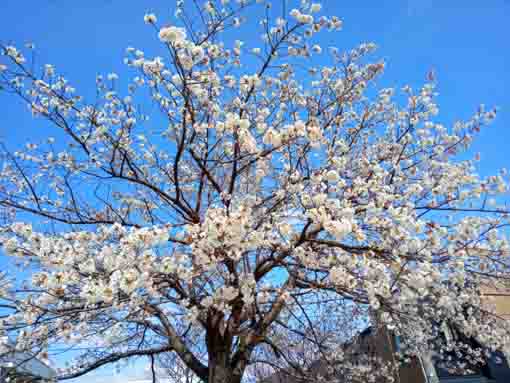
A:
(498, 299)
(384, 344)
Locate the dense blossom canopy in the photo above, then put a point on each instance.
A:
(274, 201)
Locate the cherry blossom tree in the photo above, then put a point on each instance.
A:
(273, 187)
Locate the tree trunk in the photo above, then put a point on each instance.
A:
(220, 370)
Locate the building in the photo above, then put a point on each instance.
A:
(383, 345)
(21, 367)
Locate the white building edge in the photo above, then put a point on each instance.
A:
(23, 365)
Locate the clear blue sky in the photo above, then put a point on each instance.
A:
(466, 42)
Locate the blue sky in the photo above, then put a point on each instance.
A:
(466, 43)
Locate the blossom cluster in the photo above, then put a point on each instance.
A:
(258, 194)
